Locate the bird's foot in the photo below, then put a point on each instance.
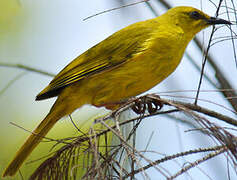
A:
(151, 103)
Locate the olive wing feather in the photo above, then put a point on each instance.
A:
(111, 52)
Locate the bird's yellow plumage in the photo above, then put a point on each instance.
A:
(128, 63)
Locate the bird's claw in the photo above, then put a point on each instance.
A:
(148, 103)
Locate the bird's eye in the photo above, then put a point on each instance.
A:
(195, 15)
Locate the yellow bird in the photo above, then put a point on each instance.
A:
(126, 64)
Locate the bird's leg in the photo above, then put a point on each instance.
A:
(110, 106)
(115, 106)
(151, 103)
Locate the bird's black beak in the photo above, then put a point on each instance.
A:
(213, 21)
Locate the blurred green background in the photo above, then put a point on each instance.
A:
(49, 34)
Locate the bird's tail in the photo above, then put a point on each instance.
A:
(30, 144)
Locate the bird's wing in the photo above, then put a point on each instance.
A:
(113, 51)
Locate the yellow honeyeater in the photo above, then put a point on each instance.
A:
(126, 64)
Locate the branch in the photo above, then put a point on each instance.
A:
(28, 68)
(200, 109)
(224, 83)
(195, 163)
(181, 154)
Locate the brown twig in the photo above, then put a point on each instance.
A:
(112, 9)
(199, 109)
(167, 158)
(28, 68)
(195, 163)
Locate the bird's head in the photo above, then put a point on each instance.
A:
(192, 20)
